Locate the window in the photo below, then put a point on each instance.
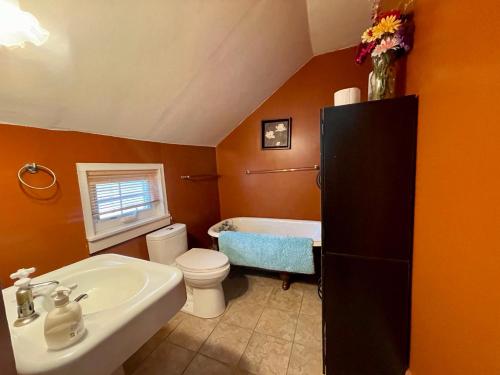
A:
(121, 201)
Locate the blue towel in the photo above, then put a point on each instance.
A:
(278, 253)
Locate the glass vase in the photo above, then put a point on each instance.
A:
(383, 78)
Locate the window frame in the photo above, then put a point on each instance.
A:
(127, 231)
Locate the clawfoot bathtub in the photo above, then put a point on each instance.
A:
(283, 227)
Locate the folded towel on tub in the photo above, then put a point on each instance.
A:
(271, 252)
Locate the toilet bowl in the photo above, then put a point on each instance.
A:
(203, 269)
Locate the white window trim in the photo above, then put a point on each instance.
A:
(102, 241)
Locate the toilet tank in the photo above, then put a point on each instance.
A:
(166, 244)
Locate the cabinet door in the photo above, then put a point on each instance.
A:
(366, 315)
(368, 172)
(7, 364)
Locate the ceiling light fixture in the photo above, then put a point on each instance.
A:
(18, 27)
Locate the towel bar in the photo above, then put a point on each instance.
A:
(315, 167)
(200, 177)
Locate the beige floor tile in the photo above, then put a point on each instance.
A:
(277, 323)
(192, 332)
(139, 356)
(136, 359)
(305, 361)
(239, 371)
(308, 331)
(166, 359)
(202, 365)
(226, 343)
(235, 286)
(287, 300)
(266, 280)
(243, 314)
(174, 322)
(266, 355)
(256, 294)
(304, 286)
(311, 304)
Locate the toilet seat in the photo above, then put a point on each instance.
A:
(202, 261)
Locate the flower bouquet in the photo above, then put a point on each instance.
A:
(389, 38)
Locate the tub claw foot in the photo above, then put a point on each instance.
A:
(285, 277)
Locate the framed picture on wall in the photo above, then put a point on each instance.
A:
(276, 134)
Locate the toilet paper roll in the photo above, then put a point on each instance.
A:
(347, 96)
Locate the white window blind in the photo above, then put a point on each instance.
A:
(115, 194)
(121, 201)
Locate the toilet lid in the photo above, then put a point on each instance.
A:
(200, 260)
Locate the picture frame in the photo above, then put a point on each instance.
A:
(276, 134)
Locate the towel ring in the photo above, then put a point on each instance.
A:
(34, 168)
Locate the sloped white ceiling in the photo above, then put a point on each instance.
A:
(335, 24)
(176, 71)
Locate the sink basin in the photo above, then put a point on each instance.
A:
(128, 300)
(100, 284)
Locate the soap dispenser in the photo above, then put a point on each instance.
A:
(64, 324)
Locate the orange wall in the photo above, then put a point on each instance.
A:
(455, 69)
(285, 195)
(47, 231)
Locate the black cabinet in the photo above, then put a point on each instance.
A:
(368, 332)
(368, 153)
(368, 164)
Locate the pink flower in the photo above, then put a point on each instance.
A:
(386, 45)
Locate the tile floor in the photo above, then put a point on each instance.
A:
(264, 330)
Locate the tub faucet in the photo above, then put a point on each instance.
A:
(24, 296)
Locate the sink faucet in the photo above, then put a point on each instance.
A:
(24, 296)
(45, 283)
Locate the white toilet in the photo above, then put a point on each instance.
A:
(203, 269)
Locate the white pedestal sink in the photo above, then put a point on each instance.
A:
(129, 300)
